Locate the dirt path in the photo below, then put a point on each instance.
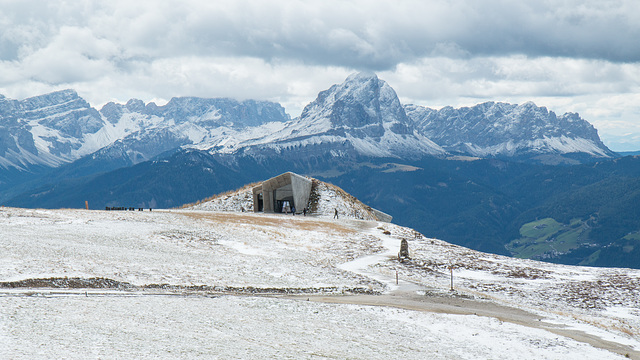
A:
(460, 305)
(405, 295)
(443, 303)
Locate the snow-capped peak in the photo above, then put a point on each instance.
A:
(509, 130)
(364, 116)
(360, 117)
(61, 127)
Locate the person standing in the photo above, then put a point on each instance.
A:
(335, 213)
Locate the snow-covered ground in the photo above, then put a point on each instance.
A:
(189, 278)
(181, 248)
(230, 327)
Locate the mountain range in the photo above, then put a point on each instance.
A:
(362, 116)
(61, 127)
(523, 131)
(473, 176)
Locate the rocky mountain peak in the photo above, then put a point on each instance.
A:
(46, 130)
(361, 116)
(361, 102)
(511, 130)
(56, 98)
(135, 105)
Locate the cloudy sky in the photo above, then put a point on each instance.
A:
(578, 56)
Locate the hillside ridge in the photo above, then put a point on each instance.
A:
(324, 200)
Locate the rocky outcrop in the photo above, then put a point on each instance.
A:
(360, 117)
(61, 127)
(507, 130)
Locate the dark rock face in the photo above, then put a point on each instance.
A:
(61, 127)
(500, 129)
(365, 113)
(212, 112)
(363, 102)
(112, 112)
(60, 120)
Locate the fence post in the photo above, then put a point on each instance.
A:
(451, 270)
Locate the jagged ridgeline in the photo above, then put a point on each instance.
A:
(362, 116)
(522, 132)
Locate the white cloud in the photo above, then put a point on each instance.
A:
(493, 78)
(73, 55)
(604, 93)
(573, 54)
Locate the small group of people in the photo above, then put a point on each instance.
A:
(286, 210)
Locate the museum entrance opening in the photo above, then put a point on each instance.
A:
(283, 198)
(282, 193)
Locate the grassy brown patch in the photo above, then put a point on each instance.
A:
(299, 223)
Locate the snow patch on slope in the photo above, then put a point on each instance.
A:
(562, 144)
(237, 200)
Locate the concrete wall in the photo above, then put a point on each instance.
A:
(267, 197)
(300, 191)
(301, 187)
(257, 190)
(382, 216)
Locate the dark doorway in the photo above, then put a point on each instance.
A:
(260, 203)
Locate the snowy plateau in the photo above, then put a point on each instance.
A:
(213, 281)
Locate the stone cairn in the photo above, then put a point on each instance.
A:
(404, 250)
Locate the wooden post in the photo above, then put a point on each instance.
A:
(86, 204)
(451, 270)
(396, 277)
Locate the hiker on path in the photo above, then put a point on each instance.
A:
(335, 213)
